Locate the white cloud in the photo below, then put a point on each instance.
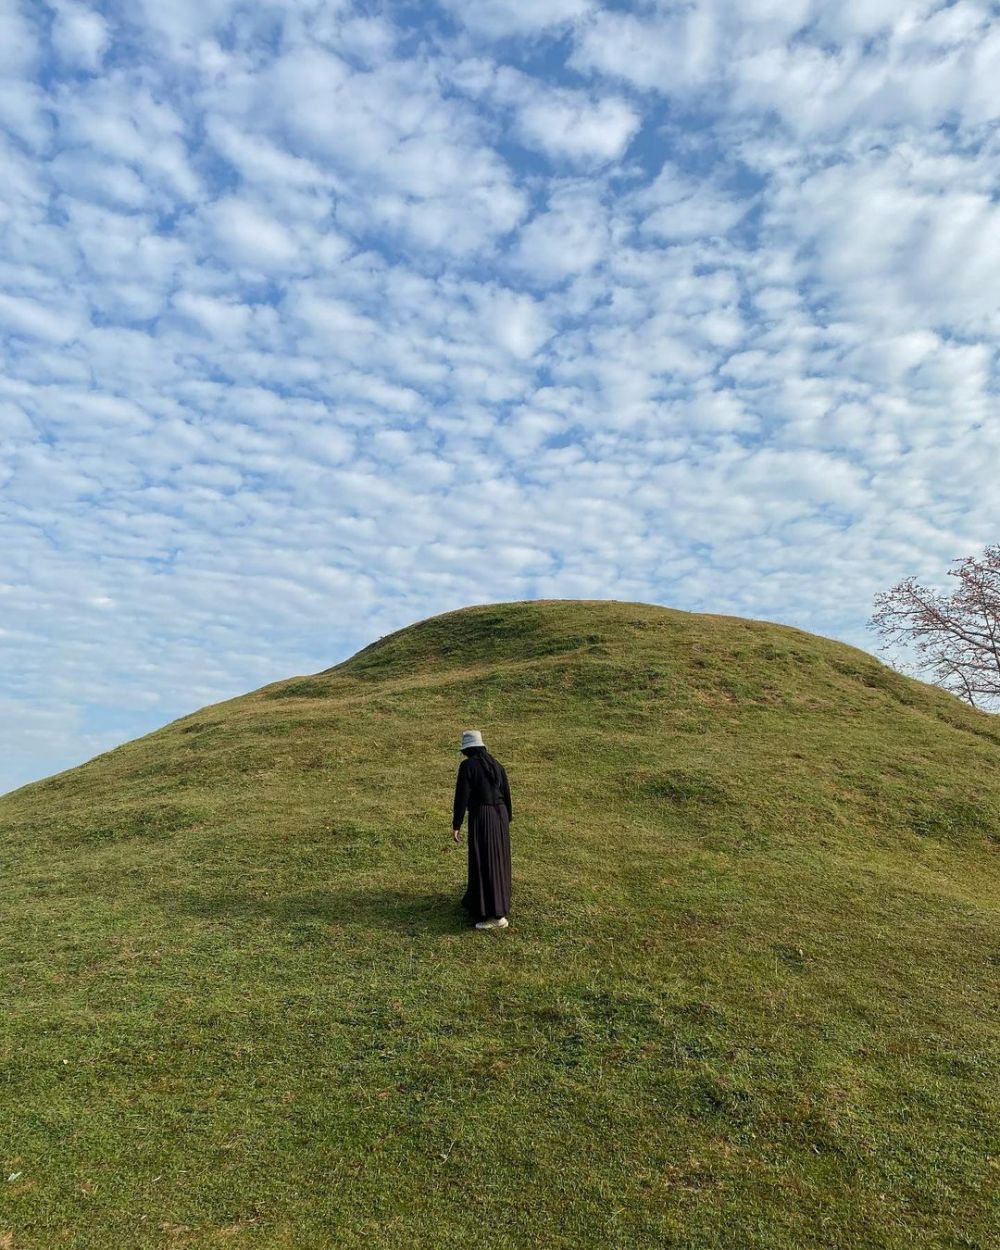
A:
(260, 161)
(23, 111)
(246, 235)
(79, 34)
(515, 321)
(36, 320)
(88, 177)
(147, 137)
(869, 17)
(223, 319)
(669, 54)
(18, 45)
(566, 125)
(500, 18)
(677, 207)
(892, 240)
(930, 72)
(570, 236)
(184, 24)
(813, 65)
(419, 157)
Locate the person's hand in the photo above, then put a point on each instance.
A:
(456, 834)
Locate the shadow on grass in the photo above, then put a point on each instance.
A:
(316, 912)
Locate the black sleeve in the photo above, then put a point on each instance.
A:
(461, 796)
(505, 786)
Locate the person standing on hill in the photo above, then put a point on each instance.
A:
(483, 790)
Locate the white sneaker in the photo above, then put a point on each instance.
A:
(492, 924)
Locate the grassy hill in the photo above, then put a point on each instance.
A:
(748, 998)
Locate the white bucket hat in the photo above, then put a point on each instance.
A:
(471, 738)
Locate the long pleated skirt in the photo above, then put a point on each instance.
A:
(487, 894)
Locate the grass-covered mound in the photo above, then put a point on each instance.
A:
(748, 997)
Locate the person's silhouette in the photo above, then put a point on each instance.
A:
(483, 790)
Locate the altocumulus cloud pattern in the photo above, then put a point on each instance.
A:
(318, 318)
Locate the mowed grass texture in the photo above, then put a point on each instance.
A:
(748, 998)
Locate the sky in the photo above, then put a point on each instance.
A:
(318, 318)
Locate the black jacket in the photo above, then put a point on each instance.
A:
(473, 788)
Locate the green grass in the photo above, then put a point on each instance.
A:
(748, 998)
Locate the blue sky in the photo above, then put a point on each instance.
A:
(319, 318)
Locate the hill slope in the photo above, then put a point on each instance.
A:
(748, 997)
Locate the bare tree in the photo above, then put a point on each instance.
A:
(955, 638)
